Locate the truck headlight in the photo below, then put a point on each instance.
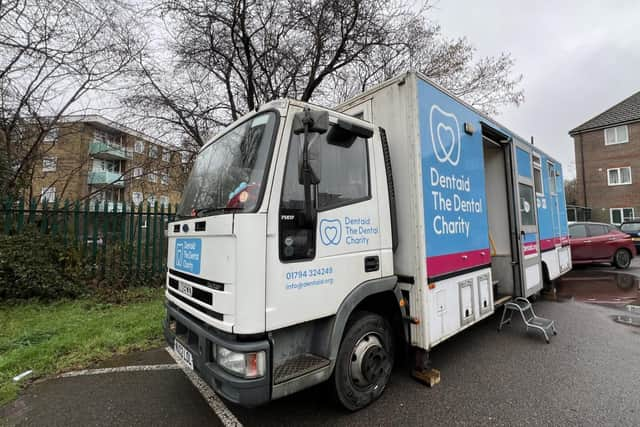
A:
(248, 365)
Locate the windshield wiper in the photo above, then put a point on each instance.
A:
(203, 211)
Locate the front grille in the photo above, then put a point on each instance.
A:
(199, 294)
(208, 312)
(199, 280)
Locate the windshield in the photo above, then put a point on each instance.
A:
(631, 227)
(228, 174)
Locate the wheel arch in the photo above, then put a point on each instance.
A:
(381, 296)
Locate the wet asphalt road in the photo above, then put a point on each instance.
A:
(588, 375)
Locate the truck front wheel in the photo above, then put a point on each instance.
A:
(364, 361)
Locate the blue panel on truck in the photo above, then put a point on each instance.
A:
(187, 255)
(548, 225)
(455, 217)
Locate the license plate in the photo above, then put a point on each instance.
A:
(184, 354)
(185, 289)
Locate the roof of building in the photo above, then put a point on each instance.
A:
(625, 111)
(108, 123)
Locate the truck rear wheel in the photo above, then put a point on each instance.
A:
(364, 361)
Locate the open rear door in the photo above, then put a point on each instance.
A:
(527, 220)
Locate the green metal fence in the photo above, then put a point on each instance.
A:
(108, 236)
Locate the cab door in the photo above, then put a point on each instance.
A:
(315, 262)
(527, 220)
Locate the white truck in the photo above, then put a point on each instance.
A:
(314, 244)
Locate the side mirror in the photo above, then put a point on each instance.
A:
(314, 121)
(313, 165)
(344, 133)
(310, 122)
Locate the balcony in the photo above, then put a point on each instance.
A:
(105, 150)
(100, 206)
(106, 178)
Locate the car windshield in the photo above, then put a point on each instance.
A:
(228, 174)
(631, 227)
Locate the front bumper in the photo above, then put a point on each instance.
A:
(198, 340)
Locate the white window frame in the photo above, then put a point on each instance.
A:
(537, 166)
(52, 135)
(48, 194)
(153, 151)
(138, 172)
(164, 179)
(138, 146)
(49, 164)
(166, 155)
(152, 177)
(615, 130)
(553, 181)
(619, 176)
(633, 215)
(164, 201)
(140, 199)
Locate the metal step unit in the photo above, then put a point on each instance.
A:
(298, 366)
(523, 306)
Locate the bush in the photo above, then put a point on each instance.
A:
(34, 265)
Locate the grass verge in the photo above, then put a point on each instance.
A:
(50, 338)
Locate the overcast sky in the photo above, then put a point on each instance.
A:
(577, 57)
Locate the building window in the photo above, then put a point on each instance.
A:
(164, 179)
(619, 176)
(153, 151)
(49, 164)
(137, 172)
(164, 201)
(51, 136)
(152, 177)
(151, 200)
(48, 194)
(616, 135)
(136, 198)
(166, 155)
(138, 147)
(185, 156)
(619, 215)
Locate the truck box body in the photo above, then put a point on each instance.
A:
(458, 177)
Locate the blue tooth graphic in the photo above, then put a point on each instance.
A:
(330, 232)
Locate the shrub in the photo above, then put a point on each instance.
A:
(34, 265)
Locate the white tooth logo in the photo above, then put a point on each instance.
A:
(445, 135)
(330, 232)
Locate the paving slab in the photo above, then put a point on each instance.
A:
(145, 398)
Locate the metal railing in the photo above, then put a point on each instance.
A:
(132, 237)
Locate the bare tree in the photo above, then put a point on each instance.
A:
(220, 59)
(52, 55)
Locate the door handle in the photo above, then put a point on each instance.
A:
(371, 263)
(587, 241)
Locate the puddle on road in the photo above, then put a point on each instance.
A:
(601, 287)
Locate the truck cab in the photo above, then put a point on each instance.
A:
(280, 260)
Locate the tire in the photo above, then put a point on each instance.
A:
(364, 362)
(622, 258)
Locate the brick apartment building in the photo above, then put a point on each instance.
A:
(91, 156)
(607, 149)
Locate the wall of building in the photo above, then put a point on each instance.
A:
(593, 158)
(74, 162)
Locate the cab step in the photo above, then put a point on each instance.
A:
(298, 366)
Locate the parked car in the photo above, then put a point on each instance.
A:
(593, 242)
(632, 228)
